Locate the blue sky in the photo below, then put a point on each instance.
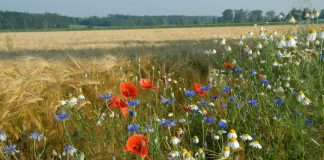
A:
(82, 8)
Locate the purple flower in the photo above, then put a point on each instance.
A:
(232, 99)
(36, 136)
(227, 89)
(205, 88)
(105, 96)
(133, 103)
(252, 102)
(209, 119)
(189, 93)
(62, 116)
(223, 105)
(132, 127)
(167, 123)
(10, 149)
(265, 82)
(253, 72)
(278, 101)
(167, 101)
(222, 124)
(203, 103)
(309, 122)
(237, 70)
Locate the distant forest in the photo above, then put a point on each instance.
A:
(21, 20)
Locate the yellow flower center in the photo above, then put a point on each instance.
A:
(226, 148)
(256, 142)
(188, 155)
(232, 131)
(290, 38)
(200, 150)
(301, 93)
(233, 139)
(184, 150)
(312, 30)
(246, 135)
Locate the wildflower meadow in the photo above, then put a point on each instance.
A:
(254, 96)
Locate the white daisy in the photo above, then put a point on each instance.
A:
(246, 137)
(311, 35)
(255, 144)
(231, 134)
(175, 140)
(233, 143)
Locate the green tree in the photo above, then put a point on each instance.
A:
(255, 16)
(270, 16)
(228, 15)
(240, 16)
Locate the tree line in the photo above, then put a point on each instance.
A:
(21, 20)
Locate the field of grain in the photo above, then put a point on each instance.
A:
(129, 37)
(178, 94)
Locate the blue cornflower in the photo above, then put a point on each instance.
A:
(232, 99)
(189, 93)
(252, 102)
(209, 119)
(214, 97)
(309, 122)
(36, 136)
(237, 70)
(132, 127)
(278, 101)
(265, 82)
(10, 149)
(105, 96)
(62, 116)
(149, 128)
(223, 105)
(69, 150)
(167, 101)
(205, 88)
(226, 89)
(239, 104)
(222, 124)
(132, 112)
(203, 103)
(133, 102)
(253, 72)
(167, 123)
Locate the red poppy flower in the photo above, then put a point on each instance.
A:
(228, 65)
(197, 89)
(128, 89)
(120, 104)
(138, 144)
(147, 84)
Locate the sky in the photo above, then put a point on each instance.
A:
(86, 8)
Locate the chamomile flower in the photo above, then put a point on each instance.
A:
(320, 34)
(188, 156)
(175, 140)
(3, 136)
(291, 42)
(311, 35)
(223, 41)
(231, 134)
(195, 140)
(233, 143)
(292, 19)
(246, 137)
(306, 101)
(200, 154)
(255, 144)
(226, 151)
